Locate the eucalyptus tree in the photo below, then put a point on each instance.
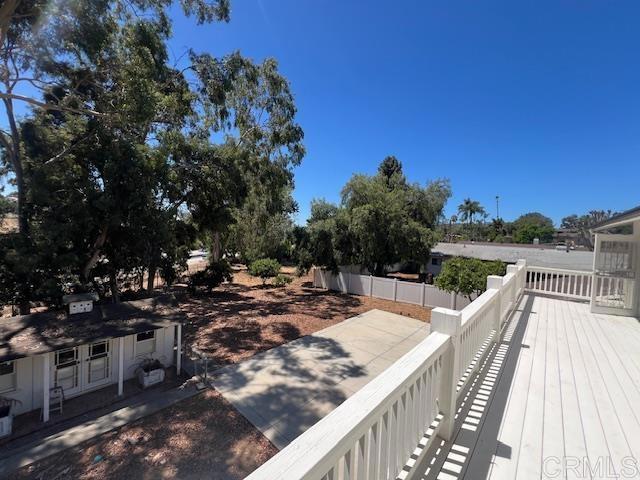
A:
(121, 145)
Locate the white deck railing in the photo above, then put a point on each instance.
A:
(381, 432)
(564, 283)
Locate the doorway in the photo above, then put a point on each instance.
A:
(82, 368)
(614, 285)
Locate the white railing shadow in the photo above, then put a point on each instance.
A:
(385, 429)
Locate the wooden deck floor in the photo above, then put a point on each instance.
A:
(559, 397)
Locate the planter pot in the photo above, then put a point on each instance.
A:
(151, 377)
(6, 424)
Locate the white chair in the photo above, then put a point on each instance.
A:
(56, 399)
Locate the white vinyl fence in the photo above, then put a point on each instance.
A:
(383, 431)
(388, 289)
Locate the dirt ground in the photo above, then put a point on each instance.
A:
(202, 437)
(240, 319)
(205, 437)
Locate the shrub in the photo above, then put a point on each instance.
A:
(212, 276)
(467, 276)
(264, 268)
(282, 280)
(305, 262)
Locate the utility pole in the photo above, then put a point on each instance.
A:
(497, 206)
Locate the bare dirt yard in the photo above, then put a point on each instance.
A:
(205, 437)
(243, 318)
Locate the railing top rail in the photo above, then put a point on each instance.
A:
(508, 278)
(383, 279)
(478, 306)
(558, 270)
(314, 452)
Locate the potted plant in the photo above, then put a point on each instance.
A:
(6, 415)
(150, 371)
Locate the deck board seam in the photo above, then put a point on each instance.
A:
(526, 408)
(616, 380)
(589, 379)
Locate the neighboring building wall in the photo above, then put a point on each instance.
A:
(29, 371)
(536, 256)
(434, 265)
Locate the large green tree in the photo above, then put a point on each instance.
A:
(120, 150)
(381, 220)
(533, 225)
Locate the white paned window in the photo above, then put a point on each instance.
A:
(7, 376)
(98, 361)
(66, 375)
(146, 342)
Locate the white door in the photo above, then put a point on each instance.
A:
(614, 281)
(96, 364)
(66, 370)
(82, 368)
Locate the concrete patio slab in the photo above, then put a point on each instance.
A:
(287, 389)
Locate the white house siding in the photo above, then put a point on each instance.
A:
(29, 370)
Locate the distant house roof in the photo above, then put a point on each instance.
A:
(38, 333)
(620, 219)
(536, 255)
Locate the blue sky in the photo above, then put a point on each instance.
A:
(535, 101)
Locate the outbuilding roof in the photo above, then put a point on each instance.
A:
(620, 219)
(37, 333)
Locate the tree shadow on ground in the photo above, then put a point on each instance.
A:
(288, 389)
(202, 437)
(238, 321)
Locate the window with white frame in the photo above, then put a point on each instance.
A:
(66, 373)
(146, 342)
(7, 376)
(98, 361)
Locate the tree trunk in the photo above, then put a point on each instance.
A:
(151, 277)
(13, 151)
(113, 285)
(95, 256)
(379, 270)
(215, 248)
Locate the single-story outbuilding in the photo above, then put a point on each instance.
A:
(85, 349)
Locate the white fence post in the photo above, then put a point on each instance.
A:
(46, 373)
(454, 300)
(395, 289)
(423, 294)
(371, 285)
(522, 263)
(514, 269)
(495, 282)
(448, 321)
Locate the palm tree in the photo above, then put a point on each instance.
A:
(468, 209)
